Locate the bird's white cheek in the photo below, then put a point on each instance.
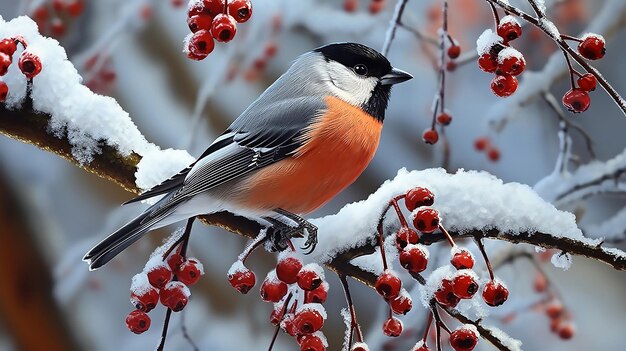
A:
(348, 86)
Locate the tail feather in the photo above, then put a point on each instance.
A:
(122, 238)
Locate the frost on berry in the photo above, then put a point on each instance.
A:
(587, 82)
(273, 289)
(310, 277)
(464, 338)
(309, 318)
(313, 342)
(592, 46)
(360, 346)
(414, 258)
(175, 296)
(288, 268)
(406, 236)
(240, 277)
(317, 295)
(461, 258)
(199, 45)
(486, 41)
(426, 219)
(392, 327)
(240, 10)
(388, 284)
(402, 303)
(30, 64)
(509, 28)
(158, 272)
(138, 321)
(418, 197)
(511, 62)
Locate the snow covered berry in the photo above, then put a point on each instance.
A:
(566, 330)
(75, 7)
(426, 220)
(587, 82)
(175, 296)
(511, 62)
(488, 63)
(308, 320)
(30, 64)
(175, 261)
(392, 327)
(190, 271)
(311, 342)
(8, 46)
(224, 28)
(4, 91)
(138, 321)
(200, 45)
(272, 289)
(509, 28)
(317, 295)
(444, 119)
(240, 10)
(592, 46)
(388, 284)
(504, 85)
(495, 293)
(465, 284)
(464, 338)
(241, 278)
(414, 258)
(418, 197)
(201, 21)
(145, 299)
(445, 294)
(454, 51)
(576, 100)
(214, 7)
(5, 62)
(420, 346)
(430, 136)
(402, 303)
(309, 279)
(287, 269)
(360, 346)
(406, 236)
(159, 275)
(461, 258)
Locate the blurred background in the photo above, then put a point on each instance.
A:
(51, 212)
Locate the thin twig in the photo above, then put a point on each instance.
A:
(393, 26)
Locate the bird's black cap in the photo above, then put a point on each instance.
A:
(352, 54)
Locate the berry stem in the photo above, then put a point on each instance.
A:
(447, 235)
(353, 323)
(274, 337)
(481, 247)
(427, 328)
(571, 69)
(166, 323)
(437, 318)
(496, 16)
(394, 203)
(186, 336)
(256, 242)
(381, 243)
(569, 37)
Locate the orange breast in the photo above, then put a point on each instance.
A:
(341, 145)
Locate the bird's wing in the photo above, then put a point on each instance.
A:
(259, 137)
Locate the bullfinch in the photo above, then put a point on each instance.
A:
(304, 140)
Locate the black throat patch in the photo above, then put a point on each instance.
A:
(377, 103)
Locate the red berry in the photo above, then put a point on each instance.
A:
(350, 5)
(360, 346)
(406, 236)
(4, 91)
(587, 82)
(5, 62)
(40, 14)
(30, 64)
(159, 276)
(454, 51)
(504, 85)
(426, 220)
(392, 327)
(493, 154)
(488, 63)
(8, 46)
(175, 261)
(430, 136)
(420, 346)
(271, 48)
(242, 279)
(318, 295)
(481, 143)
(224, 28)
(145, 299)
(511, 62)
(241, 10)
(445, 295)
(401, 304)
(309, 279)
(201, 21)
(197, 8)
(444, 119)
(311, 343)
(592, 47)
(200, 45)
(509, 28)
(388, 284)
(464, 284)
(287, 269)
(272, 289)
(566, 331)
(177, 3)
(138, 321)
(214, 7)
(555, 310)
(75, 8)
(277, 315)
(175, 296)
(57, 27)
(414, 258)
(576, 100)
(376, 6)
(288, 326)
(418, 197)
(462, 258)
(190, 271)
(540, 283)
(308, 320)
(495, 293)
(464, 338)
(451, 66)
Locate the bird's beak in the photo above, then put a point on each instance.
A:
(394, 77)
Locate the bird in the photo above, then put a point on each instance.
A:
(307, 137)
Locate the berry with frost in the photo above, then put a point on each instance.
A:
(392, 327)
(287, 269)
(317, 295)
(444, 119)
(308, 279)
(4, 91)
(426, 220)
(388, 284)
(488, 63)
(509, 29)
(273, 290)
(138, 321)
(418, 197)
(145, 300)
(414, 259)
(462, 259)
(406, 236)
(200, 45)
(495, 293)
(241, 10)
(30, 64)
(464, 338)
(242, 280)
(401, 304)
(189, 272)
(445, 294)
(175, 296)
(224, 28)
(592, 47)
(308, 321)
(159, 276)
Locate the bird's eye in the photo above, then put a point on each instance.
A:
(360, 69)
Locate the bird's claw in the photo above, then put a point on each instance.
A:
(311, 240)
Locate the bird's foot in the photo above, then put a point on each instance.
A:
(282, 233)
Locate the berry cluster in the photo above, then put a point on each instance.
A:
(592, 47)
(52, 16)
(297, 293)
(375, 6)
(483, 144)
(497, 56)
(99, 74)
(213, 19)
(560, 318)
(29, 63)
(166, 281)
